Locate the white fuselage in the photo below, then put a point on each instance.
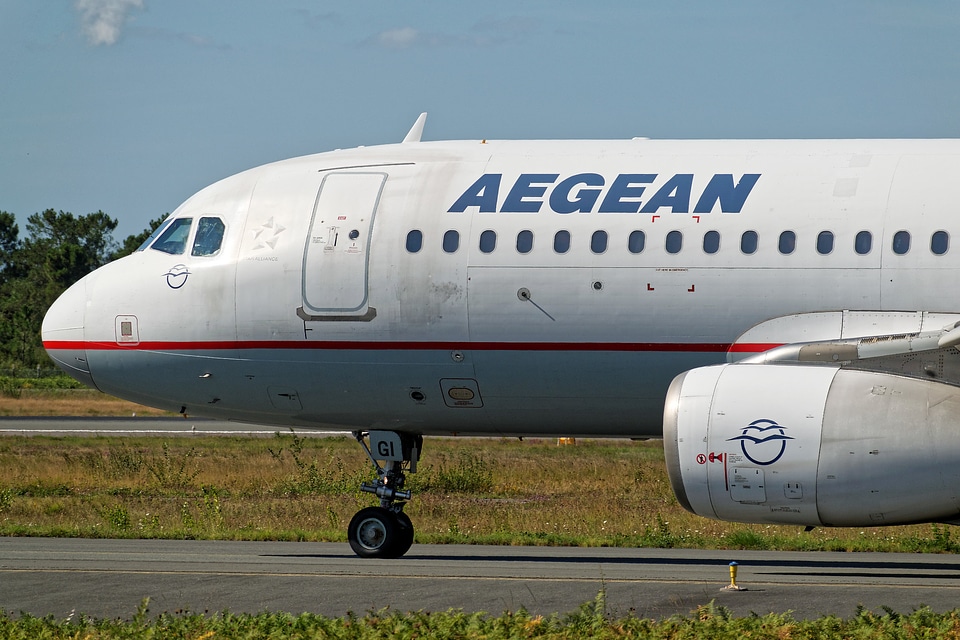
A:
(363, 288)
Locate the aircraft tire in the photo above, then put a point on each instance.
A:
(405, 539)
(375, 532)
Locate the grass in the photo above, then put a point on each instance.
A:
(68, 402)
(492, 491)
(589, 621)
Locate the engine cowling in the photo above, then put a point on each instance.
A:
(813, 445)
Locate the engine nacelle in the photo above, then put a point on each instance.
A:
(813, 445)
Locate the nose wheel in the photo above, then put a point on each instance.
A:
(376, 532)
(386, 531)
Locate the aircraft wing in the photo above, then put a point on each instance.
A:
(913, 344)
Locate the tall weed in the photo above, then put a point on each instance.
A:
(116, 462)
(119, 517)
(470, 473)
(310, 477)
(173, 472)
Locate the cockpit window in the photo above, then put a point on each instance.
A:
(209, 237)
(174, 239)
(156, 232)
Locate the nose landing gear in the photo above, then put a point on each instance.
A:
(386, 531)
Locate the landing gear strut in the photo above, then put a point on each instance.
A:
(386, 531)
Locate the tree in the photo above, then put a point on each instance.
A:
(65, 247)
(133, 242)
(9, 241)
(59, 250)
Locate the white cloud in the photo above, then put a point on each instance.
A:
(101, 20)
(398, 38)
(482, 34)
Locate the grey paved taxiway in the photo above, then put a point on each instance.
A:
(109, 578)
(140, 426)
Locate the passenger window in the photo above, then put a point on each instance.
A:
(787, 243)
(674, 242)
(636, 241)
(561, 241)
(525, 241)
(209, 237)
(451, 241)
(825, 242)
(174, 239)
(863, 243)
(711, 242)
(414, 241)
(940, 242)
(748, 242)
(488, 241)
(598, 242)
(901, 242)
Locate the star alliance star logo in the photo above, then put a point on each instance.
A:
(763, 442)
(267, 235)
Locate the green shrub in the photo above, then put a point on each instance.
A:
(469, 474)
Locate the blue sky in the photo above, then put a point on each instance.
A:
(130, 106)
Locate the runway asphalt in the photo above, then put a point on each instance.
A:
(141, 426)
(109, 578)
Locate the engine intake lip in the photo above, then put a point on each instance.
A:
(671, 447)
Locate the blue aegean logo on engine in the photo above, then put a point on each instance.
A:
(763, 442)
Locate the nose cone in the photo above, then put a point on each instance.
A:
(62, 333)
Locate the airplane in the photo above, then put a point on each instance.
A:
(776, 310)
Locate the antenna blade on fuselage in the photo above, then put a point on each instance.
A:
(416, 130)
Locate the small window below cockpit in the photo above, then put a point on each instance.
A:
(174, 239)
(209, 237)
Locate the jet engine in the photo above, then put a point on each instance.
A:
(815, 445)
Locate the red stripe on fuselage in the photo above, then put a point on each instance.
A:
(752, 347)
(334, 345)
